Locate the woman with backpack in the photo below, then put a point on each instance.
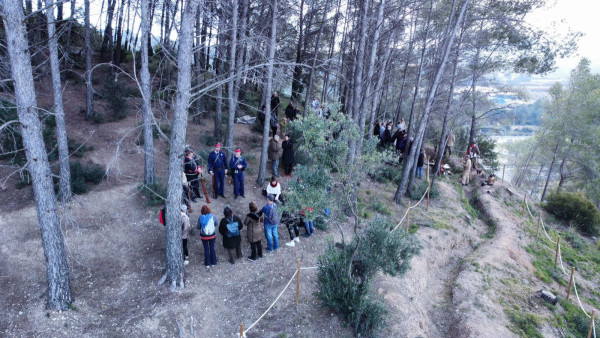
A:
(207, 224)
(229, 228)
(255, 232)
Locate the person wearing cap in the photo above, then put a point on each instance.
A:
(270, 229)
(185, 232)
(217, 166)
(192, 171)
(237, 165)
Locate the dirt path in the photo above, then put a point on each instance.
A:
(479, 292)
(421, 301)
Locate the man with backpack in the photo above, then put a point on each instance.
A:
(272, 219)
(229, 228)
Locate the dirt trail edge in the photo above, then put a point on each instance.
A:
(479, 288)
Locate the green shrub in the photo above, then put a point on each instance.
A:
(386, 174)
(381, 207)
(420, 188)
(77, 149)
(524, 324)
(82, 175)
(577, 208)
(348, 293)
(156, 192)
(114, 94)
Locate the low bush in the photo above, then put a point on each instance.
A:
(420, 188)
(82, 175)
(345, 277)
(114, 94)
(156, 192)
(575, 207)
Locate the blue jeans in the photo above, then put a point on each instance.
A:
(272, 237)
(210, 257)
(275, 166)
(420, 172)
(310, 227)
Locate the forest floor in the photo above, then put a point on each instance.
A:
(475, 274)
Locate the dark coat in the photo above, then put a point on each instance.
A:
(254, 225)
(274, 104)
(290, 112)
(288, 152)
(421, 159)
(230, 242)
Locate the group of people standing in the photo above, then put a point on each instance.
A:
(389, 137)
(260, 223)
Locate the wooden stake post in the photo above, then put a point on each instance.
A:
(298, 283)
(556, 254)
(570, 282)
(408, 217)
(503, 169)
(428, 190)
(591, 325)
(242, 330)
(537, 232)
(524, 201)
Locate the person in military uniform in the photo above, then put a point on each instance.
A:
(192, 171)
(217, 166)
(237, 165)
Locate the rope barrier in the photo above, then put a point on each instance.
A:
(562, 266)
(411, 207)
(279, 296)
(275, 301)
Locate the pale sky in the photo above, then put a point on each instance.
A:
(576, 15)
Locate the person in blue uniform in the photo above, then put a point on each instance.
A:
(217, 166)
(237, 165)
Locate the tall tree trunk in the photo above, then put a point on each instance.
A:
(89, 89)
(368, 100)
(563, 176)
(324, 94)
(408, 167)
(147, 97)
(411, 117)
(231, 91)
(64, 185)
(267, 99)
(550, 171)
(58, 291)
(69, 30)
(219, 71)
(107, 41)
(297, 77)
(315, 55)
(445, 130)
(405, 72)
(119, 40)
(175, 269)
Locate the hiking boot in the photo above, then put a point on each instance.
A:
(306, 235)
(194, 200)
(291, 243)
(252, 259)
(297, 239)
(186, 262)
(243, 196)
(222, 195)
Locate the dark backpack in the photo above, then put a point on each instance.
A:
(233, 229)
(274, 217)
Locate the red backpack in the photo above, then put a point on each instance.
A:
(162, 216)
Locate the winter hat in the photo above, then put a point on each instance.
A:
(183, 208)
(271, 198)
(218, 145)
(238, 150)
